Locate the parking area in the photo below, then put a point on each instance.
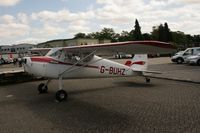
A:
(179, 72)
(105, 105)
(172, 71)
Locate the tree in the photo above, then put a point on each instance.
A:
(107, 33)
(94, 35)
(146, 36)
(167, 33)
(179, 38)
(80, 35)
(196, 39)
(154, 33)
(161, 33)
(137, 32)
(124, 36)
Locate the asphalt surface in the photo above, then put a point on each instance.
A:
(107, 105)
(180, 72)
(102, 105)
(172, 71)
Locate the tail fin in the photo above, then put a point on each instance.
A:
(138, 63)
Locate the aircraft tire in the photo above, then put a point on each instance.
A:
(61, 95)
(42, 88)
(148, 80)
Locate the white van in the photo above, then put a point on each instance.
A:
(194, 59)
(181, 56)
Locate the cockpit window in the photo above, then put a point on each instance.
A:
(72, 57)
(56, 54)
(52, 51)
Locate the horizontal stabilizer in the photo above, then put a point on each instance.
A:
(152, 72)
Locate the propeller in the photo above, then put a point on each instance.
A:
(24, 60)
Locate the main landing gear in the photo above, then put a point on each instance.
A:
(60, 96)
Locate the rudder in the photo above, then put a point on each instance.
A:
(138, 63)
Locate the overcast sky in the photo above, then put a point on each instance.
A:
(35, 21)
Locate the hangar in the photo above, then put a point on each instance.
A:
(70, 42)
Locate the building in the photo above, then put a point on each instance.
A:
(70, 42)
(16, 49)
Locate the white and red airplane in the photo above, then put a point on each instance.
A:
(82, 62)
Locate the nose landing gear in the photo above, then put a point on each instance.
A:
(42, 88)
(148, 80)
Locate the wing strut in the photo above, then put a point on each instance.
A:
(77, 63)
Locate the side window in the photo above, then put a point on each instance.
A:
(188, 52)
(57, 54)
(75, 57)
(72, 57)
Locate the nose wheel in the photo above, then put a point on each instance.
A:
(42, 88)
(148, 80)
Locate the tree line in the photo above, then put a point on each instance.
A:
(159, 33)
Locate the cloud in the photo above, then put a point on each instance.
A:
(13, 27)
(61, 15)
(46, 31)
(181, 15)
(63, 22)
(30, 40)
(13, 30)
(9, 2)
(150, 13)
(190, 1)
(78, 26)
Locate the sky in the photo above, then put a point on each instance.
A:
(35, 21)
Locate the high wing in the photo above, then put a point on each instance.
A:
(129, 47)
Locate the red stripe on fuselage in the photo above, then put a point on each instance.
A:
(130, 63)
(139, 62)
(45, 59)
(41, 59)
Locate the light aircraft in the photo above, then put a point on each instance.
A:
(76, 62)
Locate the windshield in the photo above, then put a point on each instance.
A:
(60, 54)
(180, 52)
(53, 52)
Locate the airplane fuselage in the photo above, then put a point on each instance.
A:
(97, 67)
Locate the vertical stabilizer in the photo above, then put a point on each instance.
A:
(138, 63)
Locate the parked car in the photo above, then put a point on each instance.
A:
(122, 55)
(181, 56)
(8, 61)
(194, 59)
